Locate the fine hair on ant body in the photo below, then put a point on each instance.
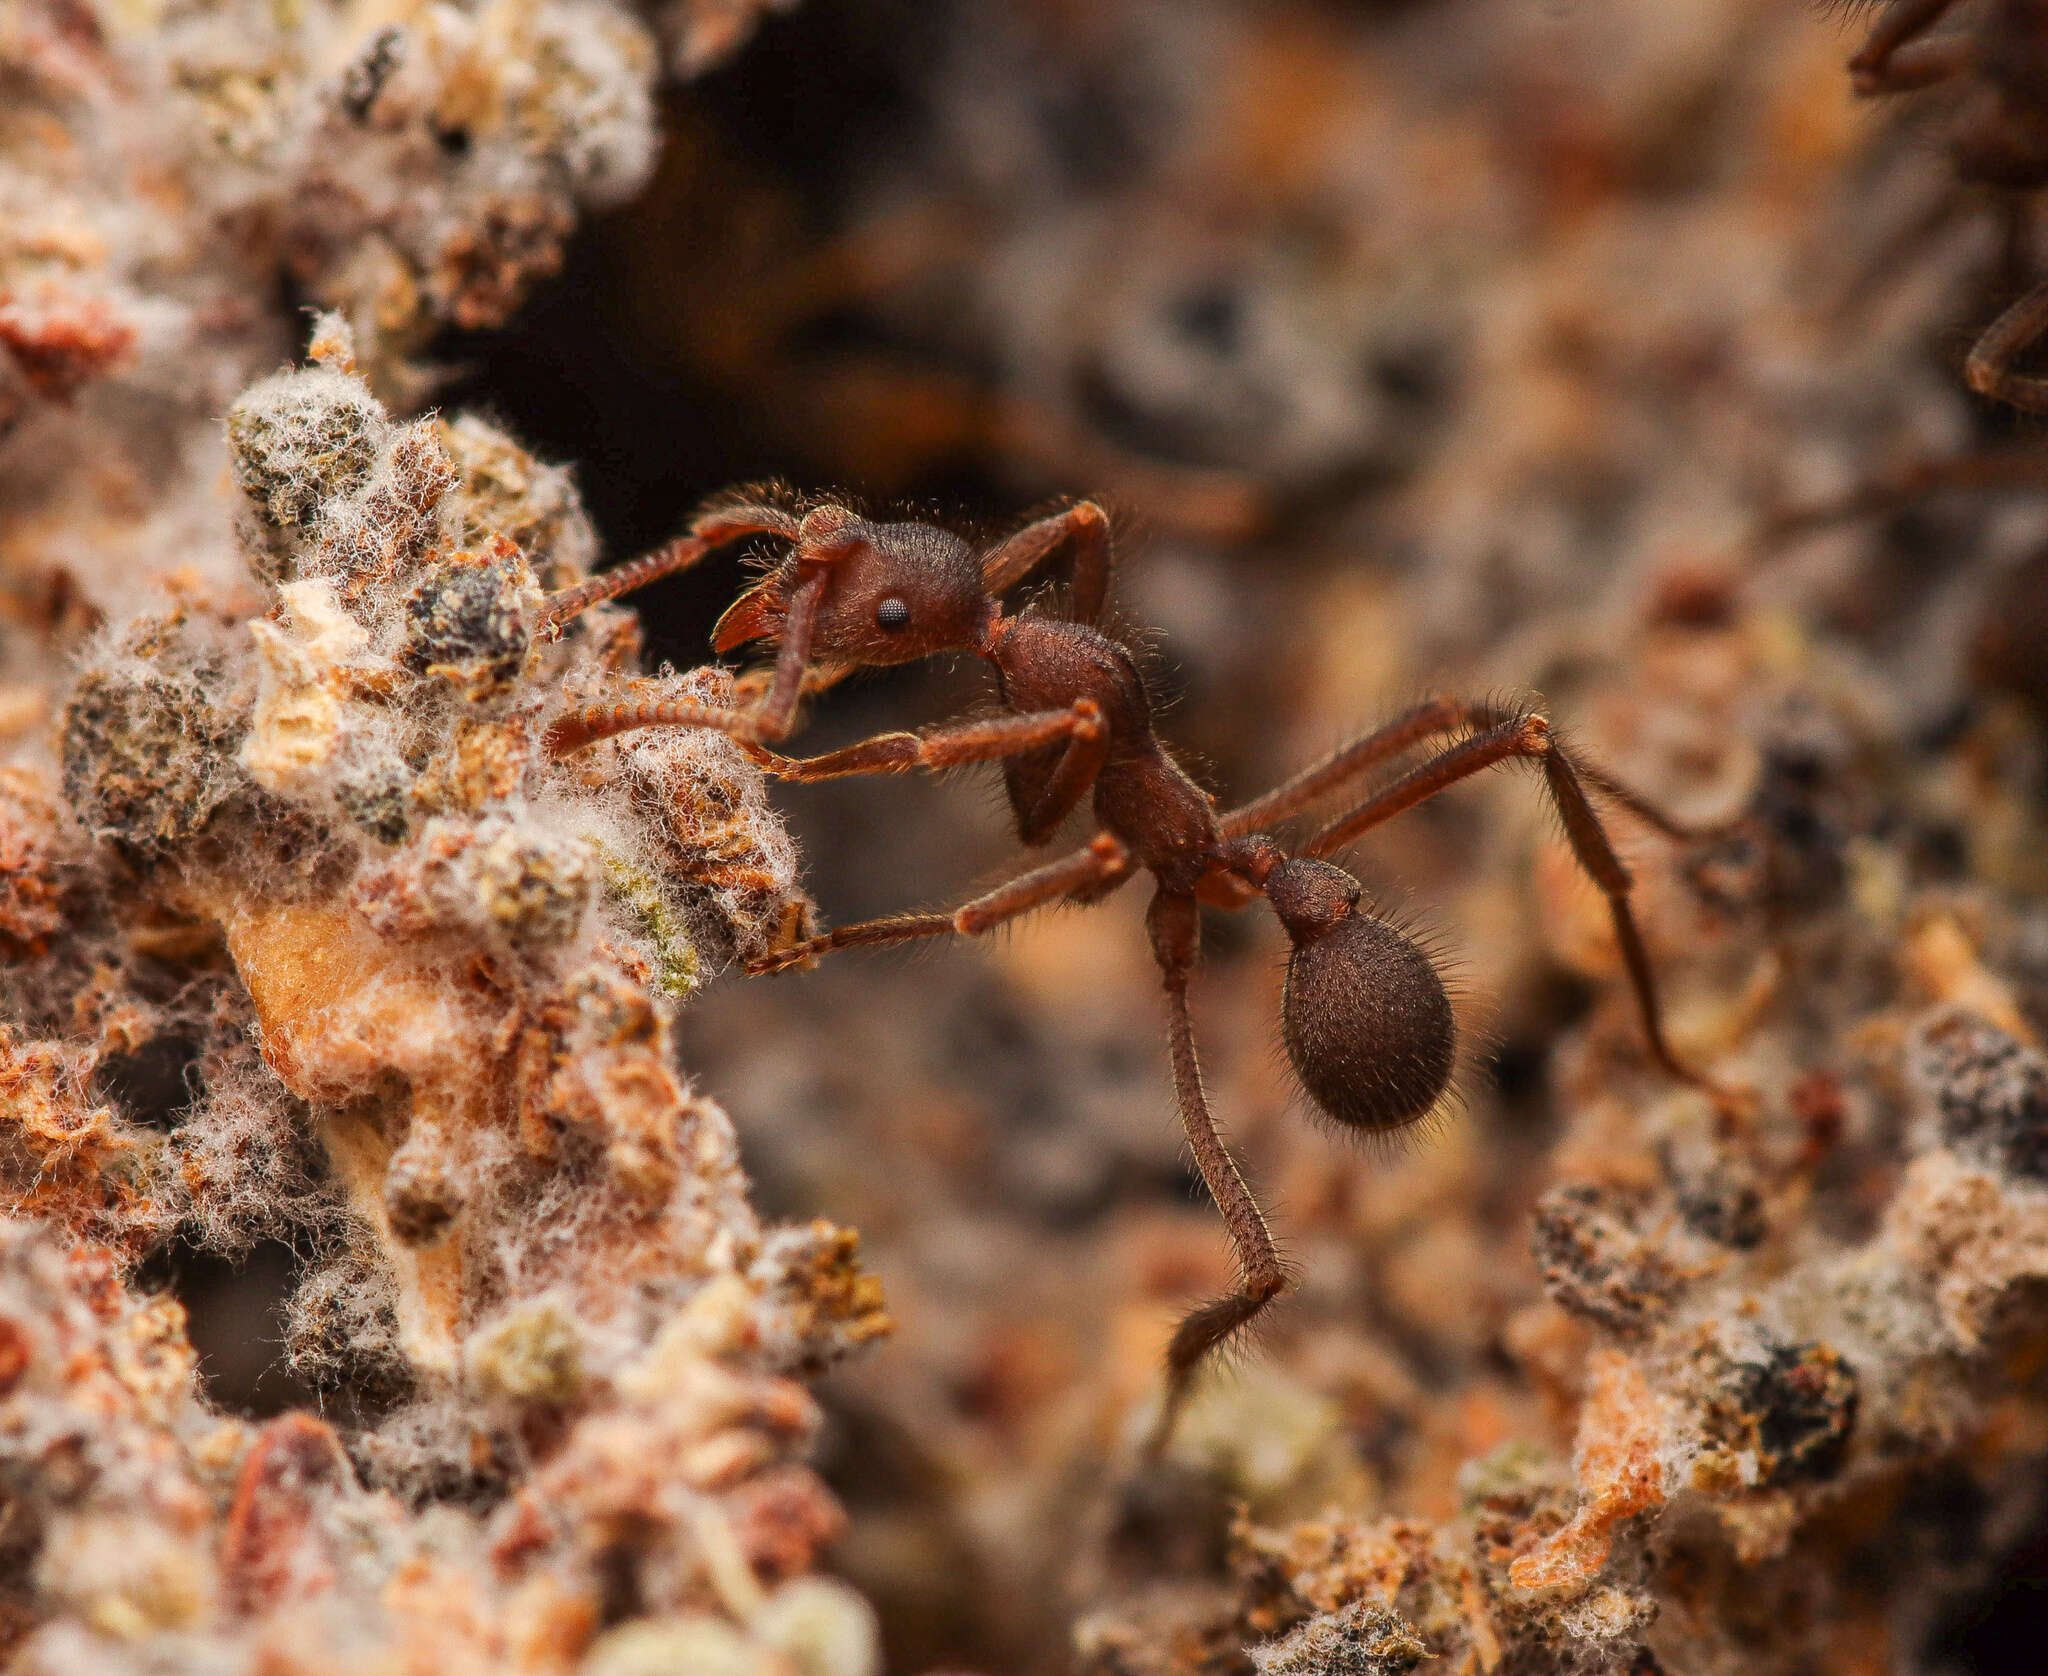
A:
(1366, 1020)
(1998, 61)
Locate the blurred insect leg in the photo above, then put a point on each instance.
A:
(1877, 268)
(1101, 862)
(1595, 853)
(1651, 814)
(2012, 334)
(1888, 63)
(2017, 466)
(1176, 944)
(1432, 716)
(707, 531)
(1085, 528)
(947, 747)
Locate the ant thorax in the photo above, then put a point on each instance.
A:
(1045, 662)
(1142, 795)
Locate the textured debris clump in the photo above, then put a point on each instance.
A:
(407, 983)
(311, 949)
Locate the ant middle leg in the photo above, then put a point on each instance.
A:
(1175, 925)
(1091, 871)
(1530, 739)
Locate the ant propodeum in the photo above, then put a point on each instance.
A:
(1366, 1019)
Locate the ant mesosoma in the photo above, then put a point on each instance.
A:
(1366, 1019)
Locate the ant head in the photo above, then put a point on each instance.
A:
(893, 592)
(1366, 1019)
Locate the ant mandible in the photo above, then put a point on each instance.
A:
(1366, 1018)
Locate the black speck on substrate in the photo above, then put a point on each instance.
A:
(1597, 1262)
(1797, 1409)
(467, 621)
(1990, 1091)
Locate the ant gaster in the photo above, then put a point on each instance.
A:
(1366, 1019)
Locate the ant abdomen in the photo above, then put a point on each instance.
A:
(1366, 1018)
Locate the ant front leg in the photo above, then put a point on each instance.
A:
(708, 530)
(1529, 739)
(789, 600)
(1084, 527)
(1175, 925)
(1093, 871)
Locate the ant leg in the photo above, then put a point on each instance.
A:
(2022, 466)
(1068, 783)
(1431, 716)
(886, 753)
(1529, 739)
(777, 714)
(1085, 527)
(570, 733)
(1989, 368)
(1175, 924)
(1103, 863)
(772, 720)
(1079, 726)
(708, 530)
(1885, 62)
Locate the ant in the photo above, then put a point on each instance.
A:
(1366, 1019)
(2000, 139)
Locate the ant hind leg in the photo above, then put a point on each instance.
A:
(1530, 739)
(1433, 716)
(1262, 1277)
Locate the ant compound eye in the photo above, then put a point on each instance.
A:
(1368, 1025)
(892, 614)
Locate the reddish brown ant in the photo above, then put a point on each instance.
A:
(1999, 138)
(1366, 1019)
